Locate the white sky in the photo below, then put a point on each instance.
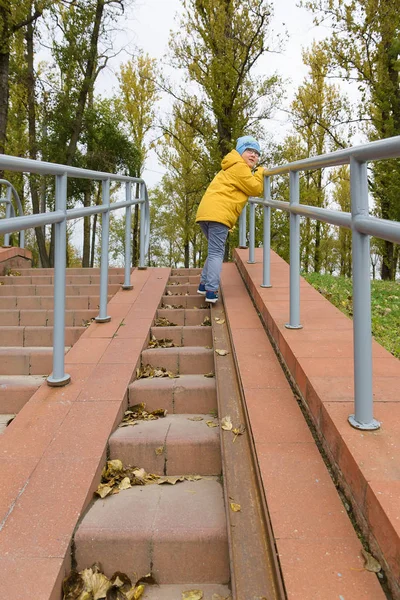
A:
(148, 23)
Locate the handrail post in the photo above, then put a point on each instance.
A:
(128, 226)
(142, 250)
(6, 243)
(105, 230)
(252, 233)
(59, 378)
(242, 227)
(267, 236)
(294, 322)
(363, 399)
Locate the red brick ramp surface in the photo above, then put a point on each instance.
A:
(320, 360)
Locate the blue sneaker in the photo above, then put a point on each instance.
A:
(211, 297)
(202, 289)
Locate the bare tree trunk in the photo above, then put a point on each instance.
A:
(87, 82)
(33, 181)
(4, 93)
(86, 229)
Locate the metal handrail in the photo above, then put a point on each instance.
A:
(362, 225)
(59, 218)
(11, 191)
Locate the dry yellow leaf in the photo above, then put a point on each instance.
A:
(211, 374)
(238, 431)
(219, 321)
(192, 595)
(371, 564)
(135, 593)
(195, 419)
(103, 490)
(159, 450)
(125, 484)
(218, 597)
(226, 423)
(96, 582)
(235, 507)
(171, 480)
(211, 424)
(221, 352)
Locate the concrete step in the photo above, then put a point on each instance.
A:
(174, 592)
(48, 290)
(185, 272)
(172, 445)
(47, 302)
(71, 271)
(182, 279)
(15, 391)
(176, 532)
(4, 420)
(182, 288)
(187, 394)
(189, 360)
(36, 336)
(194, 335)
(26, 360)
(182, 316)
(184, 301)
(39, 279)
(45, 318)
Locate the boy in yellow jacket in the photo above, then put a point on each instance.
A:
(222, 204)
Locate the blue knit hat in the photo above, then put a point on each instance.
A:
(247, 142)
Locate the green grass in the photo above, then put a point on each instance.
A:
(385, 305)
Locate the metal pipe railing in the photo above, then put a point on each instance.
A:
(10, 212)
(362, 225)
(59, 218)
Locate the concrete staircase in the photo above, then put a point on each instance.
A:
(176, 532)
(26, 331)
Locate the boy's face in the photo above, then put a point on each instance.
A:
(250, 157)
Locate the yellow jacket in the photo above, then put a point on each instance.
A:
(228, 192)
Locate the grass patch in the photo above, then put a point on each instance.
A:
(385, 305)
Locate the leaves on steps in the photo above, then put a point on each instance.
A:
(161, 343)
(138, 412)
(148, 371)
(170, 306)
(371, 564)
(92, 584)
(221, 352)
(163, 322)
(206, 322)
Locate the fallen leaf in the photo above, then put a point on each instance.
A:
(219, 321)
(195, 419)
(147, 579)
(235, 507)
(121, 580)
(221, 352)
(238, 431)
(103, 490)
(125, 484)
(96, 582)
(135, 593)
(211, 424)
(371, 564)
(72, 586)
(114, 593)
(192, 595)
(226, 423)
(159, 450)
(218, 597)
(206, 322)
(164, 322)
(171, 480)
(211, 374)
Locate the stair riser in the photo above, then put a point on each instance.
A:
(181, 316)
(183, 288)
(48, 280)
(37, 336)
(184, 336)
(13, 398)
(71, 271)
(47, 302)
(26, 364)
(48, 290)
(45, 318)
(185, 272)
(177, 398)
(185, 301)
(180, 457)
(185, 279)
(187, 361)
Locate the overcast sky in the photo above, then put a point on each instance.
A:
(148, 24)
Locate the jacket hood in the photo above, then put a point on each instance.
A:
(231, 159)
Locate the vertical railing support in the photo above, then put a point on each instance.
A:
(252, 233)
(267, 236)
(294, 322)
(59, 378)
(142, 236)
(128, 239)
(242, 227)
(105, 231)
(6, 243)
(363, 399)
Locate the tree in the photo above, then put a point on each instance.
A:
(139, 94)
(364, 47)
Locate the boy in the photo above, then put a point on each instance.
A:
(222, 204)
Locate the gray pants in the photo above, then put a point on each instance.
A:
(216, 234)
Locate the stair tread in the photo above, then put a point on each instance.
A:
(174, 591)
